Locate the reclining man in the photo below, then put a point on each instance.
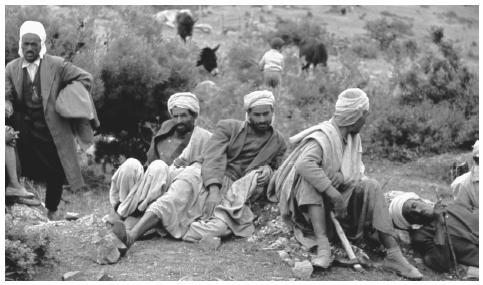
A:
(326, 166)
(177, 143)
(465, 187)
(427, 231)
(236, 167)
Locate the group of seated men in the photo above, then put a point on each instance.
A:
(197, 184)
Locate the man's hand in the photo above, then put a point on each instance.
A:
(337, 180)
(11, 137)
(264, 175)
(335, 197)
(8, 110)
(214, 198)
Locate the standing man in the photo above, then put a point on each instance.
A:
(178, 143)
(325, 172)
(46, 147)
(237, 165)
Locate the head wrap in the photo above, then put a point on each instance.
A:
(185, 100)
(33, 27)
(396, 206)
(350, 106)
(258, 98)
(476, 149)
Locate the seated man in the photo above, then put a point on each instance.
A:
(465, 187)
(427, 232)
(177, 143)
(236, 167)
(326, 168)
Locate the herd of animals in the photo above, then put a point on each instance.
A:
(312, 50)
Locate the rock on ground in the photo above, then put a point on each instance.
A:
(303, 270)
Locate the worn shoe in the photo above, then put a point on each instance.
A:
(27, 201)
(323, 259)
(404, 269)
(18, 192)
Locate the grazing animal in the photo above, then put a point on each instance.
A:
(184, 24)
(208, 60)
(313, 51)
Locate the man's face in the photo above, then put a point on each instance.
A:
(260, 117)
(417, 212)
(31, 47)
(357, 126)
(185, 121)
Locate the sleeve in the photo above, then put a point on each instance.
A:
(152, 153)
(308, 166)
(71, 73)
(10, 93)
(214, 157)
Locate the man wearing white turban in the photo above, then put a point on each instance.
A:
(177, 144)
(325, 172)
(237, 165)
(46, 145)
(424, 222)
(466, 187)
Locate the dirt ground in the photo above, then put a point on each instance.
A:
(159, 258)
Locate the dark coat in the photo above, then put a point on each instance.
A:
(55, 74)
(226, 144)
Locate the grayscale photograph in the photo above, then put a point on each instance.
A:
(241, 142)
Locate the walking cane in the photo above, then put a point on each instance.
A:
(448, 238)
(345, 242)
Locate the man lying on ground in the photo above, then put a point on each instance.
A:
(176, 144)
(236, 168)
(325, 172)
(427, 231)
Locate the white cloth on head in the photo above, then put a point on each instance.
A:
(395, 209)
(258, 98)
(476, 149)
(349, 106)
(33, 27)
(185, 100)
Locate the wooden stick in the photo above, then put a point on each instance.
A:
(345, 242)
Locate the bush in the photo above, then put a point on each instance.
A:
(365, 48)
(23, 250)
(293, 32)
(385, 32)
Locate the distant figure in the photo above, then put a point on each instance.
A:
(313, 51)
(272, 64)
(184, 24)
(208, 60)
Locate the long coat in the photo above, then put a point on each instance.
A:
(55, 73)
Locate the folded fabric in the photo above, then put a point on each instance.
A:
(74, 102)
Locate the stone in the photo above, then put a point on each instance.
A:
(70, 216)
(112, 238)
(30, 215)
(303, 270)
(107, 251)
(283, 254)
(211, 243)
(102, 276)
(70, 276)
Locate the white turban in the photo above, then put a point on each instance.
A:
(476, 149)
(395, 209)
(185, 100)
(33, 27)
(258, 98)
(350, 106)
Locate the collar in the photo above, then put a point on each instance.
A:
(26, 63)
(332, 121)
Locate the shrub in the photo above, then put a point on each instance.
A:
(365, 48)
(385, 32)
(23, 250)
